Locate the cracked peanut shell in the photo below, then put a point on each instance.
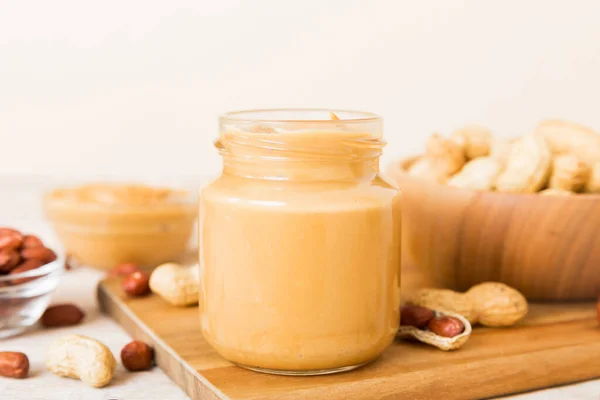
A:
(442, 343)
(444, 300)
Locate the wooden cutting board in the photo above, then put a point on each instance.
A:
(556, 344)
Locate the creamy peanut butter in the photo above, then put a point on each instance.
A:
(300, 250)
(103, 225)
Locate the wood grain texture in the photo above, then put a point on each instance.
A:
(547, 247)
(556, 344)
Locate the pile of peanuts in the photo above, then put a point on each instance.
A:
(558, 158)
(20, 253)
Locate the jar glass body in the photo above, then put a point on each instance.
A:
(300, 250)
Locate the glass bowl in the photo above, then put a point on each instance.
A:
(25, 296)
(105, 224)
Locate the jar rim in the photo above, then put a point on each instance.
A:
(263, 116)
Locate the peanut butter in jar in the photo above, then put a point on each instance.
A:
(105, 224)
(300, 243)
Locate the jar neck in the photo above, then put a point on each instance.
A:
(312, 156)
(301, 171)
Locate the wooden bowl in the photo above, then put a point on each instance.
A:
(547, 247)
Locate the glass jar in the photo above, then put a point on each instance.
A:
(300, 243)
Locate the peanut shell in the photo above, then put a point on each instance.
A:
(527, 167)
(442, 343)
(500, 149)
(567, 137)
(179, 285)
(478, 174)
(428, 170)
(476, 140)
(448, 155)
(444, 300)
(569, 173)
(593, 184)
(83, 358)
(497, 304)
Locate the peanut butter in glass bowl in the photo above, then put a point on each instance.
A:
(102, 225)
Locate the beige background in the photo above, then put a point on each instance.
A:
(133, 88)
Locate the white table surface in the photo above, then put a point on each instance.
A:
(19, 207)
